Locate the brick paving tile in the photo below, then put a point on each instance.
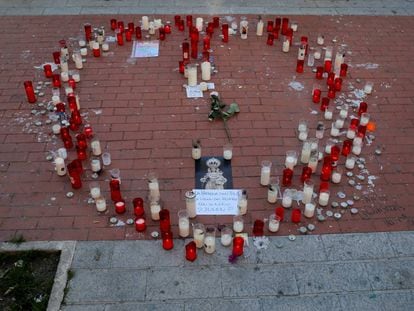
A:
(141, 115)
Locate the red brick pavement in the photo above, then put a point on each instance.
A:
(148, 124)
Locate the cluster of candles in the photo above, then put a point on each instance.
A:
(196, 151)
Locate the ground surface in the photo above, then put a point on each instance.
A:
(141, 115)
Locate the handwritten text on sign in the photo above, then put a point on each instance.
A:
(217, 202)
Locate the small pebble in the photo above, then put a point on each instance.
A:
(334, 204)
(329, 213)
(113, 220)
(348, 100)
(341, 195)
(354, 211)
(39, 87)
(303, 230)
(53, 199)
(350, 202)
(349, 174)
(351, 182)
(292, 237)
(40, 105)
(311, 227)
(70, 194)
(337, 216)
(129, 221)
(321, 218)
(344, 204)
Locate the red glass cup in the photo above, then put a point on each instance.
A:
(177, 19)
(64, 133)
(181, 66)
(206, 43)
(68, 143)
(189, 20)
(335, 153)
(88, 32)
(331, 79)
(30, 94)
(363, 107)
(299, 65)
(287, 177)
(296, 215)
(306, 173)
(60, 107)
(191, 251)
(186, 51)
(289, 35)
(74, 176)
(323, 186)
(238, 245)
(82, 143)
(316, 96)
(331, 92)
(276, 32)
(210, 29)
(96, 51)
(343, 71)
(319, 73)
(270, 26)
(56, 57)
(165, 223)
(194, 50)
(346, 147)
(138, 33)
(304, 41)
(258, 227)
(76, 117)
(88, 131)
(280, 212)
(128, 35)
(131, 27)
(140, 224)
(81, 153)
(115, 190)
(181, 26)
(119, 38)
(362, 130)
(161, 33)
(167, 29)
(328, 65)
(324, 103)
(278, 22)
(194, 34)
(48, 70)
(225, 32)
(338, 84)
(206, 56)
(120, 207)
(270, 39)
(72, 103)
(167, 240)
(72, 83)
(326, 171)
(56, 80)
(285, 25)
(113, 24)
(120, 26)
(216, 21)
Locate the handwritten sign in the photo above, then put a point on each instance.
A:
(194, 91)
(217, 201)
(145, 49)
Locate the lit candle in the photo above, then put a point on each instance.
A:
(306, 152)
(328, 114)
(227, 151)
(324, 198)
(364, 119)
(259, 28)
(64, 76)
(95, 190)
(287, 199)
(243, 29)
(145, 23)
(307, 191)
(294, 26)
(309, 210)
(274, 223)
(242, 203)
(226, 236)
(238, 224)
(60, 166)
(84, 51)
(210, 240)
(272, 193)
(192, 75)
(343, 113)
(190, 203)
(291, 159)
(105, 47)
(76, 76)
(153, 187)
(337, 176)
(265, 173)
(191, 251)
(100, 204)
(198, 235)
(62, 152)
(120, 207)
(183, 224)
(140, 224)
(196, 150)
(350, 162)
(96, 165)
(155, 209)
(205, 71)
(96, 147)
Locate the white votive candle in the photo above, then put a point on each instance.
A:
(274, 223)
(184, 227)
(226, 239)
(265, 173)
(100, 204)
(64, 76)
(206, 71)
(209, 244)
(198, 235)
(56, 129)
(309, 210)
(328, 114)
(259, 28)
(350, 162)
(336, 176)
(105, 47)
(95, 192)
(155, 209)
(323, 198)
(60, 166)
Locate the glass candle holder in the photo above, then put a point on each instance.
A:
(363, 107)
(306, 174)
(120, 207)
(285, 45)
(183, 223)
(335, 151)
(30, 94)
(280, 212)
(291, 159)
(210, 240)
(308, 187)
(138, 204)
(336, 175)
(190, 203)
(343, 71)
(270, 39)
(339, 123)
(350, 162)
(296, 215)
(228, 151)
(287, 198)
(326, 172)
(265, 172)
(226, 236)
(74, 176)
(258, 228)
(328, 113)
(120, 38)
(299, 65)
(206, 43)
(140, 224)
(96, 166)
(319, 73)
(116, 174)
(225, 32)
(47, 69)
(287, 177)
(313, 160)
(153, 185)
(269, 27)
(238, 224)
(325, 104)
(198, 234)
(191, 251)
(285, 25)
(192, 75)
(242, 202)
(167, 240)
(273, 190)
(155, 208)
(338, 84)
(368, 87)
(324, 197)
(306, 151)
(115, 190)
(68, 143)
(81, 153)
(316, 95)
(186, 51)
(334, 130)
(95, 190)
(106, 158)
(331, 92)
(274, 223)
(346, 147)
(238, 246)
(165, 223)
(309, 211)
(364, 119)
(327, 65)
(100, 204)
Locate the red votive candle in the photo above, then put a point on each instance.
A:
(328, 65)
(191, 251)
(296, 215)
(88, 32)
(140, 224)
(81, 153)
(287, 177)
(113, 24)
(206, 56)
(30, 94)
(278, 22)
(72, 103)
(306, 173)
(270, 39)
(285, 25)
(331, 92)
(276, 32)
(121, 26)
(181, 26)
(56, 80)
(299, 65)
(177, 19)
(194, 49)
(189, 20)
(181, 66)
(206, 43)
(346, 147)
(48, 70)
(120, 207)
(280, 212)
(76, 117)
(319, 73)
(64, 133)
(210, 29)
(270, 26)
(335, 153)
(316, 96)
(326, 171)
(238, 244)
(74, 176)
(119, 38)
(324, 103)
(225, 32)
(131, 27)
(82, 143)
(338, 84)
(331, 79)
(167, 240)
(167, 29)
(56, 57)
(88, 131)
(363, 107)
(343, 71)
(258, 227)
(216, 21)
(77, 164)
(323, 186)
(115, 190)
(138, 33)
(68, 143)
(165, 224)
(72, 84)
(138, 204)
(128, 35)
(161, 33)
(186, 51)
(60, 107)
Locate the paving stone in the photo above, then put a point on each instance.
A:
(357, 246)
(391, 274)
(147, 306)
(301, 303)
(402, 242)
(102, 285)
(258, 280)
(223, 304)
(331, 277)
(173, 283)
(77, 307)
(93, 254)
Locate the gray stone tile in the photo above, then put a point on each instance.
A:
(331, 278)
(142, 254)
(183, 283)
(304, 248)
(391, 274)
(302, 303)
(93, 254)
(62, 11)
(377, 301)
(136, 10)
(318, 11)
(99, 10)
(223, 305)
(102, 285)
(402, 242)
(24, 11)
(49, 3)
(253, 281)
(147, 306)
(98, 307)
(357, 246)
(14, 3)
